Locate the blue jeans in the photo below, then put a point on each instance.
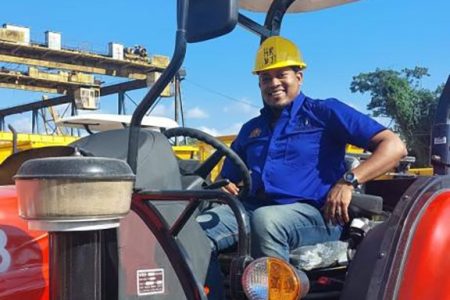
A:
(275, 229)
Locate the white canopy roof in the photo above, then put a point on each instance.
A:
(297, 6)
(103, 122)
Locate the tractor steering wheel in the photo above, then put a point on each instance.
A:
(222, 150)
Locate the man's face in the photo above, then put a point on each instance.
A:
(279, 87)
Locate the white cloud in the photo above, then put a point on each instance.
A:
(196, 113)
(242, 108)
(211, 131)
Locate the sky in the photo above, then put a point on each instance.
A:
(219, 92)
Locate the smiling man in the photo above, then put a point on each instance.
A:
(295, 152)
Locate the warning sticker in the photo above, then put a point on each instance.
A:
(440, 140)
(150, 282)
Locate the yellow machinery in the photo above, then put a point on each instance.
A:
(28, 141)
(421, 171)
(204, 151)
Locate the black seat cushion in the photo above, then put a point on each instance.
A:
(364, 205)
(157, 167)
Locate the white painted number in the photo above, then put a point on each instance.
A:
(5, 257)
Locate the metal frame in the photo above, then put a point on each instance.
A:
(167, 235)
(272, 23)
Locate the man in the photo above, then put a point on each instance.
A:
(295, 152)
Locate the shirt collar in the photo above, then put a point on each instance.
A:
(297, 103)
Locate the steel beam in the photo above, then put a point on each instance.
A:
(104, 91)
(74, 60)
(18, 80)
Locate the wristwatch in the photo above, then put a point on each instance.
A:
(350, 178)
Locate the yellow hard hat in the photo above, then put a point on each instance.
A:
(277, 52)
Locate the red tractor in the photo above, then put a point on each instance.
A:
(112, 216)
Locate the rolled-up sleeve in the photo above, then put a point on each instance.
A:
(350, 125)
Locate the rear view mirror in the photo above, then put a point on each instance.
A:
(208, 19)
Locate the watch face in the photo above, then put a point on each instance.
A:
(349, 177)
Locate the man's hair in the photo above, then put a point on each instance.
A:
(296, 69)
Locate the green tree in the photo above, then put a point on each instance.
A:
(399, 95)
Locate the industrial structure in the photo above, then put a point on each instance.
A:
(50, 68)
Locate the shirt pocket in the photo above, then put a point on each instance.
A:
(302, 147)
(256, 151)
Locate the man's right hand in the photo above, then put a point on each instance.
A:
(231, 188)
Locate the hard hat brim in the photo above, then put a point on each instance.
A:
(280, 65)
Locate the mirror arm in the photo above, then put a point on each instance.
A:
(275, 16)
(160, 84)
(253, 26)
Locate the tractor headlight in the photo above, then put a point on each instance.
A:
(270, 278)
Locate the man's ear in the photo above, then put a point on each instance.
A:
(299, 76)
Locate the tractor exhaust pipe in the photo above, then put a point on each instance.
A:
(80, 265)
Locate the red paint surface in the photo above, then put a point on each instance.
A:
(426, 273)
(23, 253)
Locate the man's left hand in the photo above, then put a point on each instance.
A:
(336, 205)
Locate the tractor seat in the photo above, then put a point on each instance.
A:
(157, 167)
(362, 205)
(365, 206)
